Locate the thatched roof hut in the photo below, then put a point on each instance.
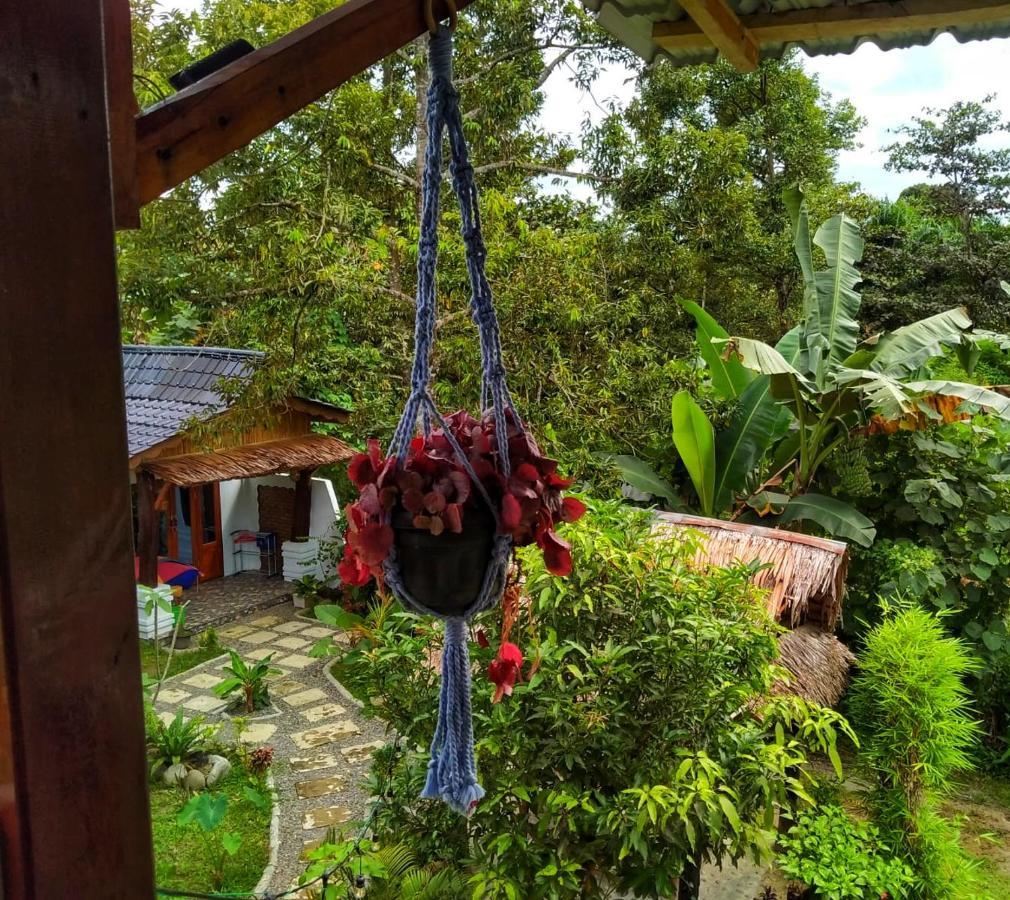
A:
(804, 575)
(818, 662)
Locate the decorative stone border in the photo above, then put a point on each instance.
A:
(275, 839)
(346, 694)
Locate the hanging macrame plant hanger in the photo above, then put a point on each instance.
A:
(452, 774)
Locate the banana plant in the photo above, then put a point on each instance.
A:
(798, 401)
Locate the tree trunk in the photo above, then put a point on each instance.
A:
(689, 883)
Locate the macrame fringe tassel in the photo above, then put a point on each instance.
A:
(452, 769)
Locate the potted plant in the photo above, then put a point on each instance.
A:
(440, 523)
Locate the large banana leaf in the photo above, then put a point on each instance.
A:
(641, 476)
(740, 448)
(838, 300)
(872, 392)
(729, 377)
(970, 393)
(694, 438)
(796, 206)
(834, 516)
(758, 356)
(905, 349)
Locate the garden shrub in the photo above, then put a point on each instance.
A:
(838, 858)
(917, 731)
(636, 742)
(942, 511)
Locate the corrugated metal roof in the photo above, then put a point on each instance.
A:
(168, 386)
(631, 22)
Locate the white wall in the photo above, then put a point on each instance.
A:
(240, 511)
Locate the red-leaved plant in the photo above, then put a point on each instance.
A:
(435, 489)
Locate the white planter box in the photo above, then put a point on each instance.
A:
(146, 622)
(301, 558)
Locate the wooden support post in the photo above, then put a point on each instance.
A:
(303, 504)
(724, 29)
(122, 112)
(147, 528)
(74, 819)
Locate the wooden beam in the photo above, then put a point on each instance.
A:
(724, 29)
(73, 780)
(198, 126)
(858, 20)
(147, 529)
(122, 111)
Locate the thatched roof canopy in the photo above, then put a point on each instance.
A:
(804, 577)
(251, 460)
(818, 662)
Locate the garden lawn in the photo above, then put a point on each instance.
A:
(184, 855)
(182, 660)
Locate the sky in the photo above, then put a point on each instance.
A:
(887, 88)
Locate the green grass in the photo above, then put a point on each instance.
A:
(181, 661)
(184, 854)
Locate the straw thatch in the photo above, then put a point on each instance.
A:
(804, 575)
(251, 460)
(818, 662)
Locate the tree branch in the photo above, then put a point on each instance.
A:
(539, 169)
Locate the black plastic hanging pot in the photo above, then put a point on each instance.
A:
(444, 572)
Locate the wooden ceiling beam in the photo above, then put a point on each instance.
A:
(225, 111)
(723, 28)
(882, 17)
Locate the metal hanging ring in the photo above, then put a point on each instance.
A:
(432, 22)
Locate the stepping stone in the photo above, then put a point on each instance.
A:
(317, 631)
(266, 621)
(324, 734)
(292, 643)
(167, 718)
(312, 763)
(278, 675)
(286, 686)
(312, 695)
(234, 631)
(323, 711)
(259, 653)
(296, 661)
(325, 817)
(172, 696)
(203, 680)
(258, 637)
(206, 704)
(359, 753)
(257, 733)
(291, 627)
(319, 787)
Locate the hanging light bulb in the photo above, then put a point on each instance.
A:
(360, 888)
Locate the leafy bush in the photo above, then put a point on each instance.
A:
(637, 741)
(942, 511)
(177, 741)
(251, 680)
(917, 731)
(841, 859)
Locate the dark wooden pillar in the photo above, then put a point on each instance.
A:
(303, 504)
(74, 816)
(147, 529)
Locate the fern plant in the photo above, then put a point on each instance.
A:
(251, 680)
(175, 742)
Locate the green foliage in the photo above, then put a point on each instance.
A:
(913, 713)
(942, 505)
(176, 741)
(841, 859)
(251, 680)
(638, 738)
(391, 872)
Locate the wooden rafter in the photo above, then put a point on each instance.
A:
(225, 111)
(721, 25)
(851, 21)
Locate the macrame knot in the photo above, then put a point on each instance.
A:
(440, 54)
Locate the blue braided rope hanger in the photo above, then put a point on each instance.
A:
(452, 769)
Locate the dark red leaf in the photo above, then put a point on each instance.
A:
(528, 472)
(482, 640)
(368, 502)
(372, 543)
(461, 482)
(510, 513)
(437, 526)
(412, 501)
(572, 509)
(453, 518)
(557, 554)
(361, 471)
(434, 502)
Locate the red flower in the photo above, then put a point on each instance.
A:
(557, 554)
(503, 670)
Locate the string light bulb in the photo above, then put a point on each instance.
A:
(360, 888)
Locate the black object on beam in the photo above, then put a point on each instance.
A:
(210, 64)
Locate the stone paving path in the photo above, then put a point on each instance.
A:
(322, 744)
